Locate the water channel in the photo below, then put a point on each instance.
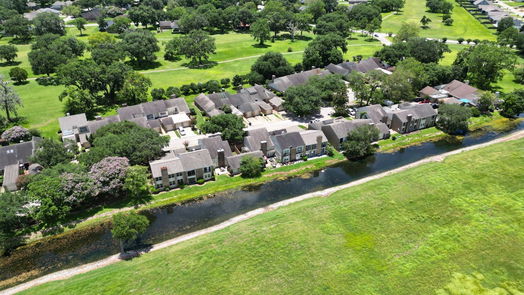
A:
(94, 243)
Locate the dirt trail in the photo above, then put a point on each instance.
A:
(68, 273)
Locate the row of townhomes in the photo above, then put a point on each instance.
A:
(495, 13)
(271, 135)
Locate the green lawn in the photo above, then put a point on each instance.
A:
(464, 25)
(407, 233)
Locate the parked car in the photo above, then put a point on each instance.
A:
(182, 131)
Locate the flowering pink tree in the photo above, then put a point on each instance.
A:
(109, 174)
(16, 134)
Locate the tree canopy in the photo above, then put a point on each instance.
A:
(269, 64)
(358, 143)
(453, 119)
(251, 167)
(303, 100)
(140, 45)
(231, 127)
(125, 139)
(127, 226)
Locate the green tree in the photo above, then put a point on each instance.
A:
(140, 45)
(135, 88)
(303, 21)
(508, 37)
(8, 53)
(486, 103)
(98, 38)
(302, 100)
(277, 15)
(9, 100)
(80, 24)
(335, 22)
(121, 25)
(425, 21)
(107, 53)
(260, 30)
(316, 8)
(128, 226)
(251, 167)
(72, 10)
(18, 75)
(54, 206)
(125, 139)
(426, 51)
(406, 32)
(18, 26)
(137, 185)
(172, 50)
(453, 119)
(513, 104)
(50, 153)
(197, 45)
(333, 90)
(398, 87)
(358, 143)
(505, 23)
(231, 127)
(323, 50)
(48, 23)
(367, 87)
(269, 64)
(13, 220)
(363, 14)
(50, 51)
(485, 62)
(78, 101)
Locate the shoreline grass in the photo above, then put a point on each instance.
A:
(394, 235)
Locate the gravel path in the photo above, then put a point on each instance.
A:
(68, 273)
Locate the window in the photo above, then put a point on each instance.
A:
(207, 169)
(179, 174)
(286, 152)
(191, 173)
(150, 117)
(299, 149)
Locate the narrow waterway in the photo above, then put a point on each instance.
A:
(83, 246)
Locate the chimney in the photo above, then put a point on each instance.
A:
(273, 77)
(165, 177)
(221, 158)
(68, 114)
(263, 147)
(466, 81)
(292, 154)
(319, 144)
(98, 118)
(313, 67)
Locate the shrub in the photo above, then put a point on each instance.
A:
(289, 49)
(109, 174)
(18, 75)
(201, 181)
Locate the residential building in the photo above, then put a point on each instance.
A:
(289, 147)
(218, 149)
(160, 115)
(374, 112)
(281, 84)
(337, 130)
(233, 161)
(169, 25)
(14, 158)
(248, 102)
(363, 66)
(59, 5)
(181, 169)
(315, 143)
(33, 14)
(412, 117)
(259, 140)
(463, 92)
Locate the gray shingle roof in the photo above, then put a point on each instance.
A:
(255, 136)
(281, 84)
(310, 136)
(177, 105)
(213, 144)
(342, 128)
(69, 123)
(196, 160)
(10, 176)
(286, 140)
(374, 112)
(18, 153)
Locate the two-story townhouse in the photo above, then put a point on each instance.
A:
(181, 169)
(289, 147)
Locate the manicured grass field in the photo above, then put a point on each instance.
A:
(407, 233)
(464, 25)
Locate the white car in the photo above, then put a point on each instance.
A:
(182, 131)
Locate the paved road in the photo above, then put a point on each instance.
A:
(68, 273)
(510, 8)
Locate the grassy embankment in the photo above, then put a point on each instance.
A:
(402, 234)
(464, 24)
(494, 122)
